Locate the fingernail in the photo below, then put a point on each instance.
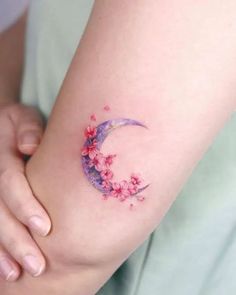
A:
(32, 265)
(29, 138)
(6, 270)
(38, 225)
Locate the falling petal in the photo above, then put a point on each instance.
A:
(93, 117)
(107, 108)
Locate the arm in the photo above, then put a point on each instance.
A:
(20, 132)
(169, 65)
(11, 60)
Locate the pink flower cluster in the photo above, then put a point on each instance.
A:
(120, 190)
(125, 189)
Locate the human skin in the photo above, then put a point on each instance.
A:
(21, 128)
(11, 68)
(169, 64)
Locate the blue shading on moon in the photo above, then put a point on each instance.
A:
(103, 131)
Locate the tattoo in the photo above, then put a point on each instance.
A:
(107, 108)
(93, 117)
(97, 166)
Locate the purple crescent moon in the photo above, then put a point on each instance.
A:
(103, 131)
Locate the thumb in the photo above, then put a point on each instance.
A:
(28, 141)
(29, 130)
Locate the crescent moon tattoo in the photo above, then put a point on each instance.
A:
(96, 166)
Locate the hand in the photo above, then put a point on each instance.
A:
(21, 129)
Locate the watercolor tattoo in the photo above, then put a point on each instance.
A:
(97, 166)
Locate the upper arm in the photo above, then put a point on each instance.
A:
(176, 77)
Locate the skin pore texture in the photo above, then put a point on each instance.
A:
(168, 64)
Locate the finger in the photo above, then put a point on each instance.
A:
(9, 269)
(14, 188)
(17, 195)
(20, 245)
(29, 129)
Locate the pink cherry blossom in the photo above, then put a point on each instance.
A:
(106, 184)
(136, 179)
(93, 117)
(120, 189)
(132, 188)
(106, 174)
(109, 160)
(97, 162)
(90, 150)
(90, 131)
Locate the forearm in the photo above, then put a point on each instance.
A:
(84, 281)
(149, 63)
(11, 61)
